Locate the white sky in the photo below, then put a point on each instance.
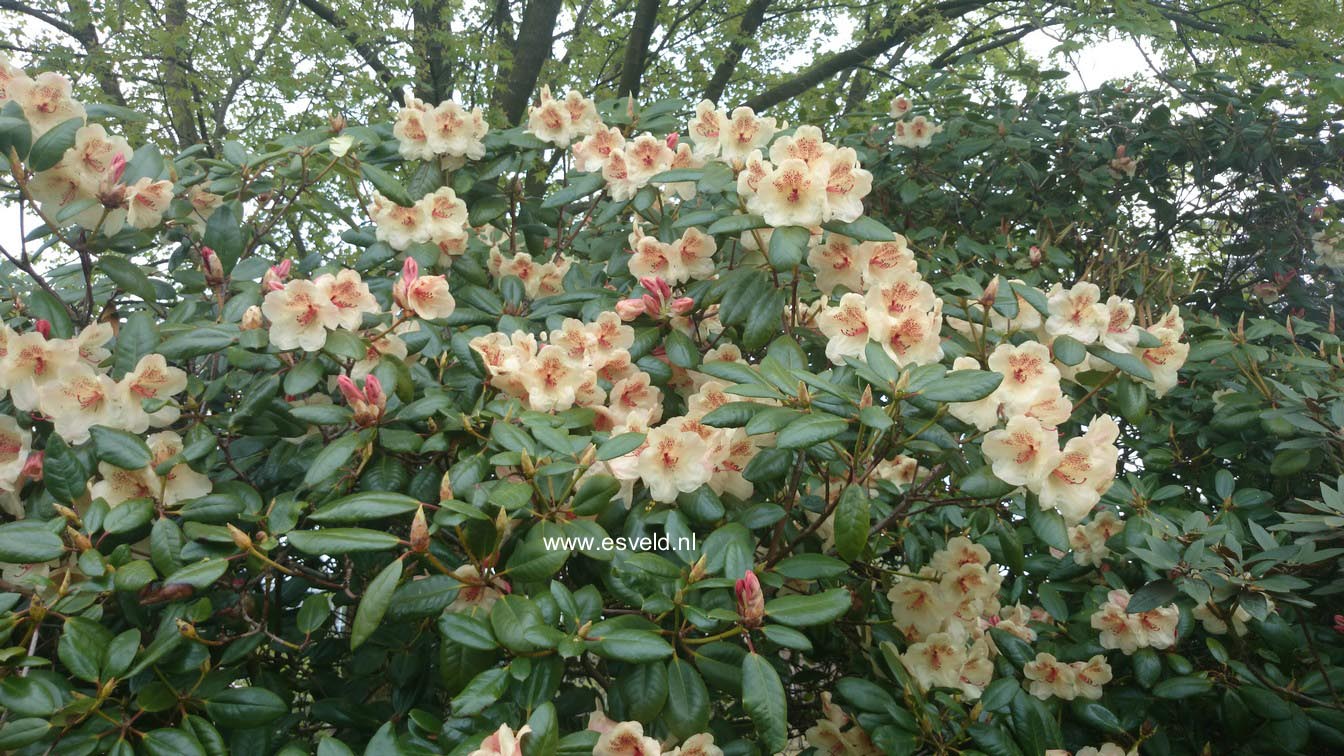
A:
(1087, 69)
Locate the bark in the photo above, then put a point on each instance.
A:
(637, 48)
(746, 30)
(430, 39)
(530, 52)
(177, 94)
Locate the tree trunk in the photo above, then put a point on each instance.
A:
(530, 52)
(176, 84)
(746, 29)
(429, 40)
(637, 48)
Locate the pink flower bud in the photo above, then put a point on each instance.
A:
(348, 389)
(683, 305)
(672, 140)
(32, 467)
(650, 284)
(629, 309)
(274, 278)
(43, 327)
(373, 392)
(410, 270)
(214, 269)
(652, 306)
(1035, 256)
(750, 600)
(117, 169)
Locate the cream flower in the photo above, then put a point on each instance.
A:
(695, 253)
(116, 485)
(348, 293)
(627, 739)
(1090, 676)
(503, 742)
(15, 443)
(983, 413)
(93, 153)
(1127, 632)
(78, 400)
(935, 662)
(745, 132)
(622, 183)
(91, 343)
(1027, 372)
(32, 362)
(1084, 471)
(837, 263)
(913, 338)
(1024, 453)
(1120, 334)
(300, 315)
(790, 195)
(46, 101)
(151, 379)
(701, 744)
(398, 226)
(550, 121)
(706, 129)
(1050, 677)
(846, 328)
(412, 131)
(1077, 312)
(552, 380)
(147, 201)
(887, 261)
(476, 595)
(646, 156)
(1088, 542)
(429, 298)
(590, 154)
(456, 132)
(846, 184)
(920, 606)
(181, 483)
(1164, 361)
(673, 462)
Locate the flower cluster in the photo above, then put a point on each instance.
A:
(562, 122)
(614, 739)
(181, 483)
(1050, 677)
(301, 311)
(447, 131)
(1088, 542)
(897, 308)
(806, 182)
(914, 133)
(628, 166)
(940, 610)
(65, 380)
(1155, 628)
(837, 733)
(689, 258)
(89, 175)
(539, 279)
(439, 218)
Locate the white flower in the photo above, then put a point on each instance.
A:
(300, 315)
(837, 263)
(340, 146)
(673, 462)
(1024, 453)
(1027, 371)
(1050, 677)
(147, 201)
(456, 132)
(91, 343)
(1121, 334)
(1164, 361)
(706, 129)
(399, 226)
(181, 483)
(411, 130)
(46, 101)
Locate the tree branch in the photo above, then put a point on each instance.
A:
(366, 52)
(746, 30)
(637, 47)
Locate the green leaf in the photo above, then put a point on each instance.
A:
(763, 698)
(16, 134)
(1098, 716)
(1157, 593)
(63, 472)
(633, 646)
(373, 605)
(340, 540)
(736, 224)
(199, 575)
(225, 235)
(1125, 362)
(369, 505)
(49, 148)
(386, 184)
(332, 458)
(681, 351)
(470, 631)
(44, 306)
(138, 336)
(1185, 686)
(171, 742)
(511, 617)
(619, 446)
(811, 567)
(1068, 350)
(127, 275)
(83, 646)
(119, 448)
(128, 516)
(580, 186)
(810, 430)
(788, 247)
(245, 707)
(851, 522)
(962, 386)
(806, 611)
(483, 690)
(196, 342)
(864, 229)
(313, 612)
(21, 732)
(687, 710)
(1048, 526)
(28, 542)
(1017, 651)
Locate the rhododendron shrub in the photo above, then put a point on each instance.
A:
(630, 430)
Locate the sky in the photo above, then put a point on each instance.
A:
(1090, 67)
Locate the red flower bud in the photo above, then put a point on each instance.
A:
(43, 327)
(750, 600)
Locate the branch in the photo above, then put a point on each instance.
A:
(746, 30)
(637, 48)
(822, 70)
(366, 52)
(532, 51)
